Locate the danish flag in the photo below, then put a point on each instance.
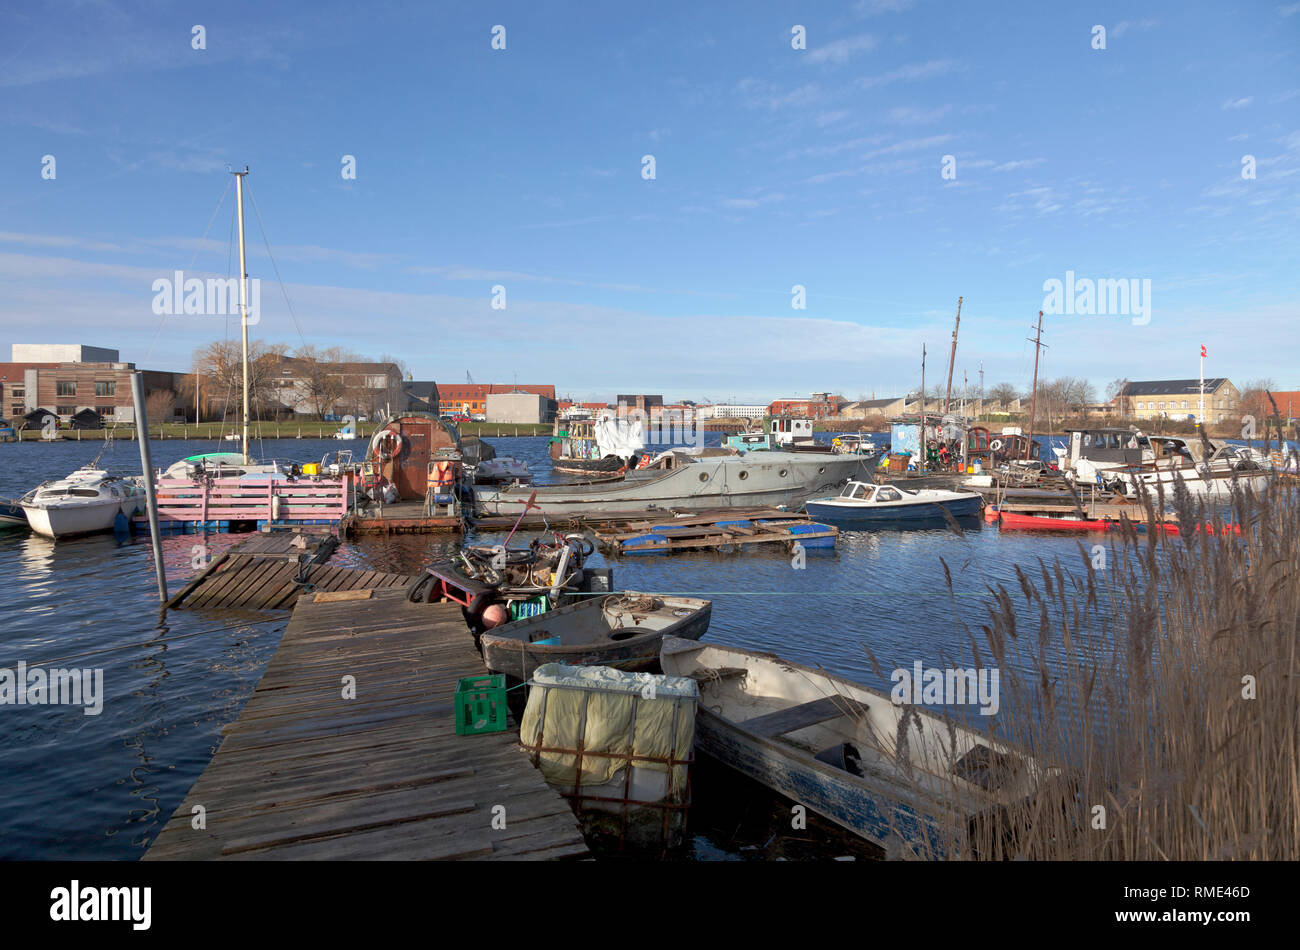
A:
(1202, 351)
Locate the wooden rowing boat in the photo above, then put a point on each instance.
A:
(622, 630)
(831, 745)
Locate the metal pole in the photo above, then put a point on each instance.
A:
(243, 296)
(921, 446)
(151, 499)
(1200, 411)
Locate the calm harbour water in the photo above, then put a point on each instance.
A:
(101, 787)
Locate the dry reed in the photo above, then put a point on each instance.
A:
(1159, 686)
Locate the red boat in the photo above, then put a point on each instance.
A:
(1074, 523)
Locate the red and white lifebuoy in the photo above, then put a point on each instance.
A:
(388, 445)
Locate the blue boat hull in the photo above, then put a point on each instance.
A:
(902, 514)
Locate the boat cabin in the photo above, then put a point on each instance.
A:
(749, 442)
(1111, 446)
(868, 493)
(790, 431)
(402, 450)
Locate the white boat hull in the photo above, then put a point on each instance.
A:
(72, 520)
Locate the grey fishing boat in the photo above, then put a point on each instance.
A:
(693, 482)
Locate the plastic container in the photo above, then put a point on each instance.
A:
(480, 705)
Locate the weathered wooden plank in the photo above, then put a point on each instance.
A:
(305, 773)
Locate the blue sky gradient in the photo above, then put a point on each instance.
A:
(774, 167)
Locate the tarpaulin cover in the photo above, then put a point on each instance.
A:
(652, 716)
(621, 437)
(905, 437)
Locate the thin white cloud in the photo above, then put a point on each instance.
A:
(909, 73)
(1239, 103)
(842, 50)
(1125, 26)
(911, 115)
(875, 7)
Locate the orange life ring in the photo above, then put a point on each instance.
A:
(382, 445)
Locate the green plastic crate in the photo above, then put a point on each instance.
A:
(480, 705)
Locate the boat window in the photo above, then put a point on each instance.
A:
(887, 494)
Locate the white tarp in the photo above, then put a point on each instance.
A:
(609, 714)
(621, 437)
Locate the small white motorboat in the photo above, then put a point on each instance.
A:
(502, 470)
(87, 501)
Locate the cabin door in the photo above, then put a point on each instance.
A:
(411, 475)
(1076, 441)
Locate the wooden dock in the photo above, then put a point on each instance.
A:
(306, 774)
(269, 571)
(403, 517)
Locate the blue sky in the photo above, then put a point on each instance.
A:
(774, 167)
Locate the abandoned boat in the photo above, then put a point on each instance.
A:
(833, 745)
(603, 445)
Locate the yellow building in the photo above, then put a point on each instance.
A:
(1179, 399)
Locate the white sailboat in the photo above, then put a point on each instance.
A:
(87, 501)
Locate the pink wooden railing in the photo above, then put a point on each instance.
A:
(309, 498)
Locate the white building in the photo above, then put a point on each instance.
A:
(730, 412)
(62, 353)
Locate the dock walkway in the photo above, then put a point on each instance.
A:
(263, 572)
(305, 773)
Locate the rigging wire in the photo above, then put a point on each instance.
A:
(197, 249)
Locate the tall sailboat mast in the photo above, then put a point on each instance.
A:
(243, 296)
(1033, 398)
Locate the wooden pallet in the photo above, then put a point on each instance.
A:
(307, 774)
(696, 534)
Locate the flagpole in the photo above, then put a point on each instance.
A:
(1200, 415)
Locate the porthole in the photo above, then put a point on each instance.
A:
(782, 473)
(704, 476)
(744, 475)
(821, 470)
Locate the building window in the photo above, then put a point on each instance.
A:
(1184, 403)
(66, 410)
(66, 387)
(105, 387)
(1139, 405)
(105, 412)
(1161, 405)
(17, 393)
(17, 410)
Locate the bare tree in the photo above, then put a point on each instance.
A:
(159, 405)
(220, 372)
(1004, 394)
(1117, 395)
